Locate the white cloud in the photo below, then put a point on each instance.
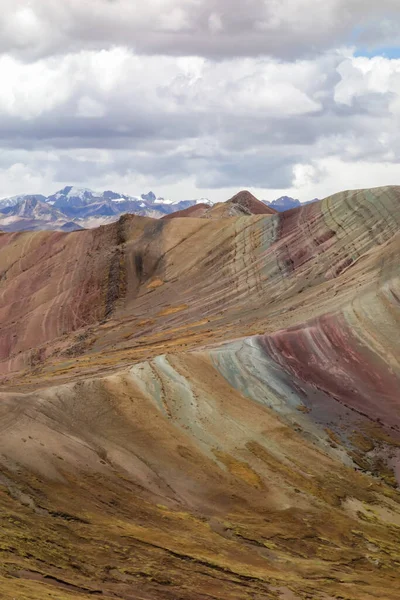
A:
(363, 76)
(114, 80)
(219, 28)
(197, 97)
(87, 107)
(330, 175)
(304, 176)
(30, 90)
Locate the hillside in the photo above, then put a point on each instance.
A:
(201, 407)
(247, 201)
(242, 204)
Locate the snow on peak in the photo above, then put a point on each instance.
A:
(204, 201)
(14, 200)
(163, 201)
(6, 202)
(76, 191)
(70, 191)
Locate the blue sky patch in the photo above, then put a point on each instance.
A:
(387, 52)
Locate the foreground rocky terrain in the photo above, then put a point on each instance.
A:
(204, 407)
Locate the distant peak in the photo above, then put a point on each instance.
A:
(71, 190)
(242, 196)
(150, 197)
(65, 190)
(249, 202)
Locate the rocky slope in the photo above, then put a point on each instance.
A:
(204, 407)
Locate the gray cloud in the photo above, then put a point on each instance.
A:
(117, 95)
(213, 28)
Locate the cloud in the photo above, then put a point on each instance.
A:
(157, 116)
(213, 28)
(150, 97)
(196, 96)
(239, 122)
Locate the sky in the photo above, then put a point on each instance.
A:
(199, 98)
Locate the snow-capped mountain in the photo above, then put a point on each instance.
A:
(76, 208)
(74, 201)
(83, 207)
(32, 213)
(13, 200)
(73, 197)
(32, 208)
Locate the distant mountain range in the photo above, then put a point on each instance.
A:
(286, 203)
(74, 208)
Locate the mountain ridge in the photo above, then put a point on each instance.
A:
(204, 407)
(87, 208)
(287, 203)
